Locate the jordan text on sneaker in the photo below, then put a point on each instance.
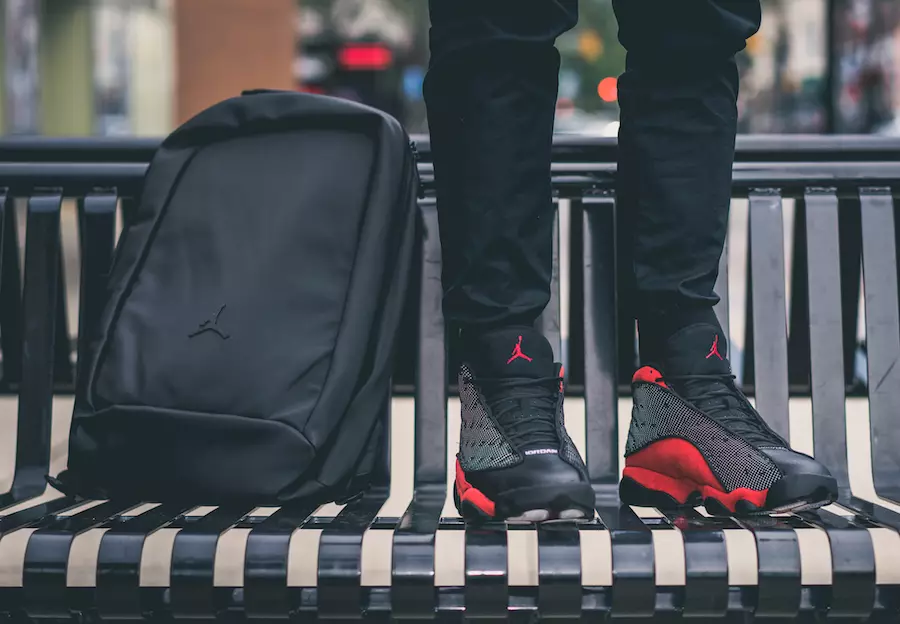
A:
(696, 439)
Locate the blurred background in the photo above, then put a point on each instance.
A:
(140, 67)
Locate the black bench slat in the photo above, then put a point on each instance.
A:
(559, 570)
(879, 515)
(852, 591)
(798, 314)
(882, 336)
(44, 577)
(625, 223)
(666, 602)
(850, 257)
(42, 258)
(722, 290)
(600, 354)
(118, 592)
(266, 594)
(778, 565)
(193, 562)
(10, 293)
(340, 592)
(826, 333)
(63, 367)
(861, 519)
(824, 519)
(559, 545)
(770, 364)
(413, 594)
(634, 591)
(549, 321)
(41, 512)
(97, 232)
(634, 588)
(431, 369)
(706, 587)
(487, 571)
(887, 597)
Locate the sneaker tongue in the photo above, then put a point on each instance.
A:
(511, 352)
(697, 350)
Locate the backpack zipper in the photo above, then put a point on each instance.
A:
(420, 193)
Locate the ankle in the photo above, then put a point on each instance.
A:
(512, 350)
(656, 329)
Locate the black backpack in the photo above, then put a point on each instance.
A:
(244, 354)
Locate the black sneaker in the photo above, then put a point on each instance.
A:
(694, 438)
(516, 461)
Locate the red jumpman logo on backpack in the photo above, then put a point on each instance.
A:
(517, 353)
(714, 350)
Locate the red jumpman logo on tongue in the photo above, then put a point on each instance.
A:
(517, 353)
(714, 350)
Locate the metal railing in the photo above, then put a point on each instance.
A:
(95, 172)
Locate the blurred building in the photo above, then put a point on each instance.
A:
(225, 46)
(140, 67)
(866, 56)
(76, 67)
(785, 70)
(136, 67)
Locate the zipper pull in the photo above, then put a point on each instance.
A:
(415, 153)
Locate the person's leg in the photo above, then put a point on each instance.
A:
(692, 430)
(678, 100)
(491, 97)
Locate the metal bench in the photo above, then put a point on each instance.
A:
(400, 551)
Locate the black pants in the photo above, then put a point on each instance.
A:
(491, 96)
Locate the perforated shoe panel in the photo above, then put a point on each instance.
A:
(567, 448)
(481, 444)
(659, 414)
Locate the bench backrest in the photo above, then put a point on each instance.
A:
(842, 192)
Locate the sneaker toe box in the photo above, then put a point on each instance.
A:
(537, 473)
(791, 462)
(804, 478)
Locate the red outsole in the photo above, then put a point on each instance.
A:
(677, 468)
(467, 494)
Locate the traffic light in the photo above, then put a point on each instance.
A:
(363, 71)
(365, 57)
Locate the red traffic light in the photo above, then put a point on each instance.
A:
(608, 89)
(368, 57)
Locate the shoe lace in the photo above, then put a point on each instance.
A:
(718, 397)
(524, 407)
